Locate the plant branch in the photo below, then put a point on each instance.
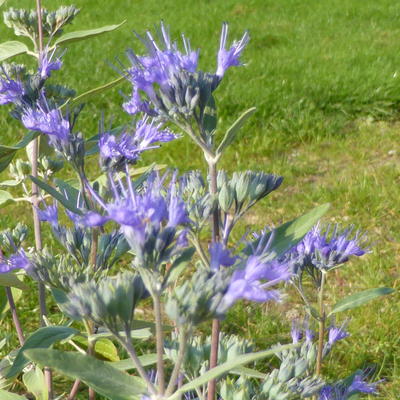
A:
(183, 338)
(321, 324)
(14, 314)
(138, 365)
(159, 343)
(216, 328)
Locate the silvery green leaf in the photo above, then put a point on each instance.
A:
(10, 279)
(83, 97)
(4, 395)
(85, 34)
(231, 133)
(145, 360)
(35, 383)
(67, 203)
(41, 339)
(7, 153)
(99, 375)
(227, 367)
(5, 198)
(358, 299)
(11, 49)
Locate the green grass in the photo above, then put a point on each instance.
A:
(325, 79)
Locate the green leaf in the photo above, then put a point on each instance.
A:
(227, 367)
(4, 395)
(2, 2)
(11, 49)
(9, 183)
(11, 280)
(104, 348)
(41, 339)
(358, 299)
(83, 97)
(178, 266)
(290, 233)
(99, 375)
(67, 190)
(252, 373)
(86, 34)
(7, 153)
(231, 133)
(36, 384)
(210, 116)
(145, 360)
(5, 198)
(67, 203)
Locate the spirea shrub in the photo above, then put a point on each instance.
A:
(158, 239)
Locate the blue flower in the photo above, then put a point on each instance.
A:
(46, 65)
(49, 122)
(343, 390)
(231, 57)
(153, 220)
(251, 282)
(157, 67)
(19, 260)
(328, 249)
(128, 147)
(336, 333)
(11, 91)
(220, 255)
(49, 214)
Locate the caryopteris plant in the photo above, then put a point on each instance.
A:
(161, 243)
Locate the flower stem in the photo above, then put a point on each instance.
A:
(35, 203)
(74, 390)
(14, 314)
(216, 328)
(183, 338)
(139, 367)
(159, 344)
(321, 324)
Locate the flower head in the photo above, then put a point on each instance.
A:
(220, 255)
(49, 122)
(152, 219)
(327, 249)
(337, 333)
(344, 390)
(252, 281)
(231, 57)
(11, 91)
(128, 147)
(49, 214)
(19, 260)
(46, 65)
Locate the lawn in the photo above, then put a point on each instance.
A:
(325, 78)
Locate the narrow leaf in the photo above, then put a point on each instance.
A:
(41, 339)
(11, 49)
(11, 280)
(83, 97)
(231, 133)
(99, 375)
(85, 34)
(145, 360)
(36, 384)
(4, 395)
(252, 373)
(358, 299)
(290, 233)
(5, 198)
(227, 367)
(67, 203)
(7, 153)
